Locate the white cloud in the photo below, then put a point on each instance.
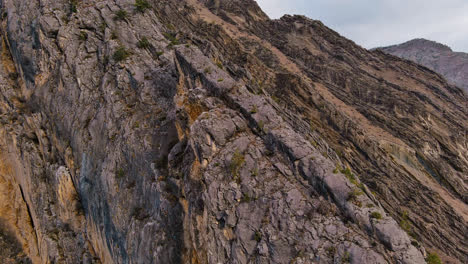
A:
(373, 23)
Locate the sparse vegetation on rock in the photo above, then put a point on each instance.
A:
(121, 145)
(143, 43)
(121, 54)
(376, 215)
(142, 5)
(433, 258)
(121, 15)
(237, 161)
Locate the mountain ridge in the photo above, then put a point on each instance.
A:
(204, 132)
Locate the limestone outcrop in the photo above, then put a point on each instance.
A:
(203, 132)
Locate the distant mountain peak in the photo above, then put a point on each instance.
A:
(425, 43)
(435, 56)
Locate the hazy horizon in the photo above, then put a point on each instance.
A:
(382, 23)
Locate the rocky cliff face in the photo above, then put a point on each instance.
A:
(203, 132)
(437, 57)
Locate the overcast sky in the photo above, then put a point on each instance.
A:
(375, 23)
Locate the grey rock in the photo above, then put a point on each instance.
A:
(222, 139)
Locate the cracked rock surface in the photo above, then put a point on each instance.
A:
(201, 131)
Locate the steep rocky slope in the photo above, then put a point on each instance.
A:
(201, 131)
(437, 57)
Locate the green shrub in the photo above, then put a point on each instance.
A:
(351, 177)
(237, 161)
(276, 99)
(254, 109)
(404, 223)
(159, 53)
(331, 251)
(246, 198)
(376, 215)
(83, 36)
(315, 144)
(254, 173)
(219, 63)
(261, 125)
(258, 236)
(120, 173)
(141, 5)
(346, 258)
(433, 258)
(121, 15)
(172, 38)
(207, 70)
(73, 6)
(143, 43)
(121, 54)
(103, 26)
(353, 195)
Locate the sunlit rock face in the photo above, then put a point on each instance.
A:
(204, 132)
